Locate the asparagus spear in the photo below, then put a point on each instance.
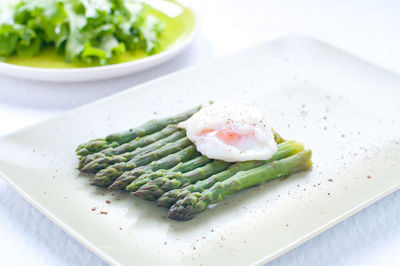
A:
(160, 167)
(106, 176)
(130, 146)
(164, 163)
(181, 167)
(157, 187)
(117, 139)
(188, 207)
(285, 149)
(101, 163)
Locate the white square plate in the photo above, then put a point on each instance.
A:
(341, 107)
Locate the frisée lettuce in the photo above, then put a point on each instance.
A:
(91, 31)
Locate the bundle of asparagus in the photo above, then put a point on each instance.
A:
(156, 161)
(116, 139)
(191, 204)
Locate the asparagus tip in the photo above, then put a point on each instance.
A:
(168, 199)
(101, 181)
(144, 194)
(185, 209)
(116, 185)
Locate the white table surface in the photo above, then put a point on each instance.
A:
(368, 29)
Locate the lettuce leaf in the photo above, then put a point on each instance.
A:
(29, 43)
(150, 32)
(108, 46)
(9, 37)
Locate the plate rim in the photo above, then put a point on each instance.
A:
(103, 255)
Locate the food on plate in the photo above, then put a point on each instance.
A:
(285, 149)
(131, 181)
(93, 166)
(231, 131)
(117, 139)
(81, 33)
(91, 32)
(193, 159)
(114, 171)
(157, 187)
(129, 146)
(188, 207)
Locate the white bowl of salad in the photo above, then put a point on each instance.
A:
(83, 40)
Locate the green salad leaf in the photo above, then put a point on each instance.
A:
(9, 37)
(90, 31)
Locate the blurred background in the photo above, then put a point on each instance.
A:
(368, 29)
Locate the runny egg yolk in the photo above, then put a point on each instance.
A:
(227, 136)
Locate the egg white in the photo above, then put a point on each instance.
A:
(257, 138)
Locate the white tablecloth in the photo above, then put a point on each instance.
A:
(369, 29)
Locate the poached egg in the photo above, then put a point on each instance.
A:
(231, 131)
